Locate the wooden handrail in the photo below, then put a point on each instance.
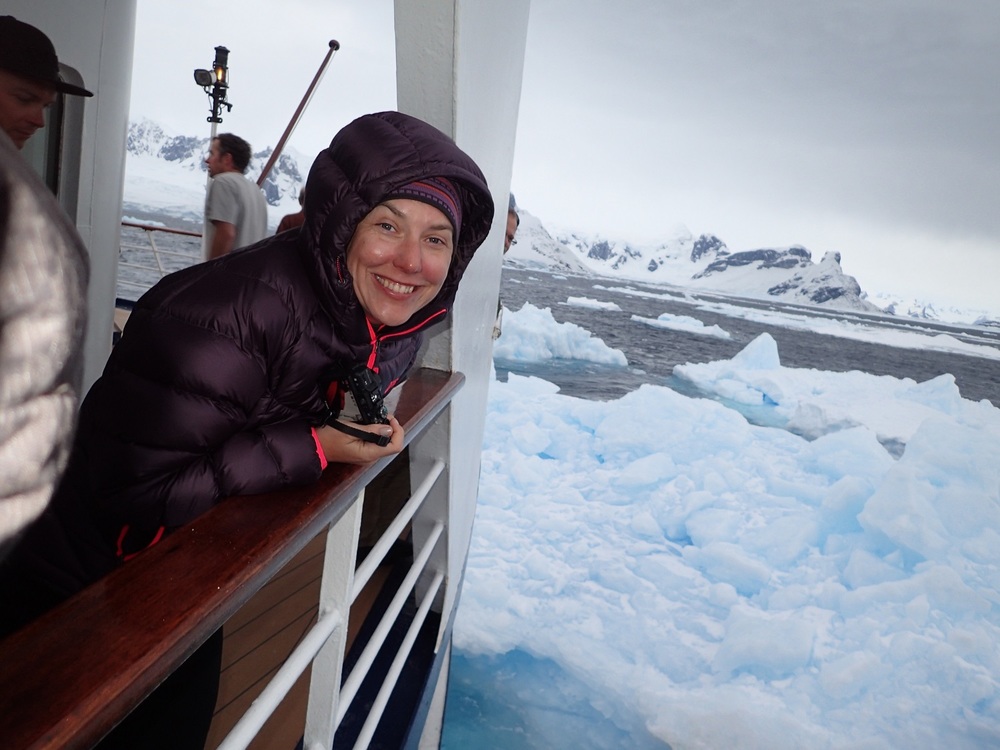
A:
(72, 674)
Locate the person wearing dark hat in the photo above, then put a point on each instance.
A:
(29, 79)
(232, 375)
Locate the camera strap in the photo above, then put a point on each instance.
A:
(368, 437)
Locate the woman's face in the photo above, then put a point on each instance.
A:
(399, 258)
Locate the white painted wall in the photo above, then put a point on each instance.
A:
(459, 67)
(96, 38)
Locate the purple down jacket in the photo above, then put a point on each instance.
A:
(221, 373)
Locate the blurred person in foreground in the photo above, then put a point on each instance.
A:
(43, 288)
(43, 282)
(228, 378)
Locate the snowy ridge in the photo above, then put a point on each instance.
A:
(705, 262)
(924, 310)
(536, 248)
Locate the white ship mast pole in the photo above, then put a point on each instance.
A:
(215, 82)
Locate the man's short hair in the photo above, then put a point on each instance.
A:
(237, 148)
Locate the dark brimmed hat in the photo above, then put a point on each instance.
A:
(27, 52)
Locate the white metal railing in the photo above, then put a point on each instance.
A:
(63, 688)
(367, 658)
(378, 707)
(364, 572)
(325, 643)
(261, 709)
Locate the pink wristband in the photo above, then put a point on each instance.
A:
(319, 450)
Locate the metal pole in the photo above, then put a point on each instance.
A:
(219, 96)
(211, 137)
(334, 46)
(208, 182)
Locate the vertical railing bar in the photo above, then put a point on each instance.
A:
(361, 668)
(243, 733)
(378, 707)
(392, 533)
(156, 253)
(335, 593)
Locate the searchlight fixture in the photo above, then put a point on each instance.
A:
(215, 82)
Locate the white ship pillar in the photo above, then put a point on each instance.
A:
(459, 65)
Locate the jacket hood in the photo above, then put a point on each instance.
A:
(366, 161)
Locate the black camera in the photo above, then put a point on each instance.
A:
(367, 392)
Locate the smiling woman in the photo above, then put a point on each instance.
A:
(401, 251)
(230, 373)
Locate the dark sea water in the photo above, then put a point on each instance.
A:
(147, 256)
(652, 353)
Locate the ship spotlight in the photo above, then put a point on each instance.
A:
(204, 77)
(216, 83)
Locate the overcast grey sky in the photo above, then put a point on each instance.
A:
(868, 127)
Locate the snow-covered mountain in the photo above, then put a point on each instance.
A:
(924, 310)
(786, 274)
(165, 182)
(704, 262)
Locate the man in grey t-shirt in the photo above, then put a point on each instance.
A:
(235, 209)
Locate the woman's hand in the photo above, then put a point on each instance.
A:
(342, 448)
